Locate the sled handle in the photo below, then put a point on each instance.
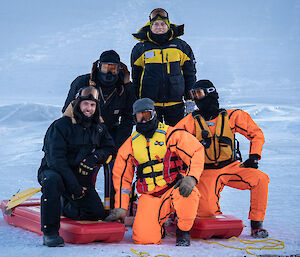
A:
(21, 197)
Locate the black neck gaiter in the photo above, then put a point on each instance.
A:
(208, 107)
(161, 38)
(147, 129)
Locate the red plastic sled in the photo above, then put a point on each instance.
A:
(27, 216)
(220, 226)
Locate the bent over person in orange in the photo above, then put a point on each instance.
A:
(168, 164)
(215, 129)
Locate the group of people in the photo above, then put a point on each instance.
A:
(181, 156)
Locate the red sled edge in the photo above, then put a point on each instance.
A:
(220, 226)
(27, 216)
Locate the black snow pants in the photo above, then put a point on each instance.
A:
(56, 201)
(170, 115)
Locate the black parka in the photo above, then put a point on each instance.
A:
(116, 111)
(66, 144)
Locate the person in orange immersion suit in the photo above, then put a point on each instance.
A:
(168, 164)
(215, 129)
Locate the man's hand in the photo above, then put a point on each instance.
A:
(117, 214)
(186, 185)
(86, 166)
(252, 162)
(125, 72)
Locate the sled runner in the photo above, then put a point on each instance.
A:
(27, 216)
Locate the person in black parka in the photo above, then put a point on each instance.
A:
(74, 145)
(112, 78)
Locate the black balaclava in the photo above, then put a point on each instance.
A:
(147, 129)
(209, 105)
(108, 79)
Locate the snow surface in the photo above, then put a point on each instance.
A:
(249, 49)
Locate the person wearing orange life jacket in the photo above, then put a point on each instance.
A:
(215, 128)
(158, 152)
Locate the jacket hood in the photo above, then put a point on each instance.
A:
(143, 33)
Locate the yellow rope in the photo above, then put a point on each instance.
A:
(143, 254)
(271, 244)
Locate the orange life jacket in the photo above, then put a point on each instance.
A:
(221, 146)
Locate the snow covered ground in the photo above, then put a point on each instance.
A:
(249, 49)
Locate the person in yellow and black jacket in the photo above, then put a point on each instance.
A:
(158, 153)
(215, 129)
(163, 66)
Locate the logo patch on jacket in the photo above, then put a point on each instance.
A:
(210, 123)
(149, 54)
(159, 143)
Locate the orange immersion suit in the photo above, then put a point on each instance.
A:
(221, 167)
(158, 162)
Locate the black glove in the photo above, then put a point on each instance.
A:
(86, 166)
(252, 162)
(186, 185)
(205, 140)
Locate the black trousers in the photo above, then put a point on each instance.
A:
(55, 201)
(170, 114)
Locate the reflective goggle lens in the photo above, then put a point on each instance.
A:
(198, 93)
(106, 67)
(159, 11)
(144, 116)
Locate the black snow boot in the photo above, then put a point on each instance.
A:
(257, 229)
(182, 238)
(53, 240)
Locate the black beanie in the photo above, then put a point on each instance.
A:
(110, 56)
(204, 83)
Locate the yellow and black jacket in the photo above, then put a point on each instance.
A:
(164, 73)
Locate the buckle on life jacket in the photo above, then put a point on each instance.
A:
(161, 192)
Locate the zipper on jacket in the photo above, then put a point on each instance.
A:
(168, 64)
(149, 156)
(163, 74)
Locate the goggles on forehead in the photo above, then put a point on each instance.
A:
(158, 12)
(146, 115)
(200, 93)
(108, 66)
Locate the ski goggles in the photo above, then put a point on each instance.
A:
(108, 66)
(158, 12)
(145, 116)
(200, 93)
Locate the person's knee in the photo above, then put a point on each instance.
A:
(263, 177)
(51, 180)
